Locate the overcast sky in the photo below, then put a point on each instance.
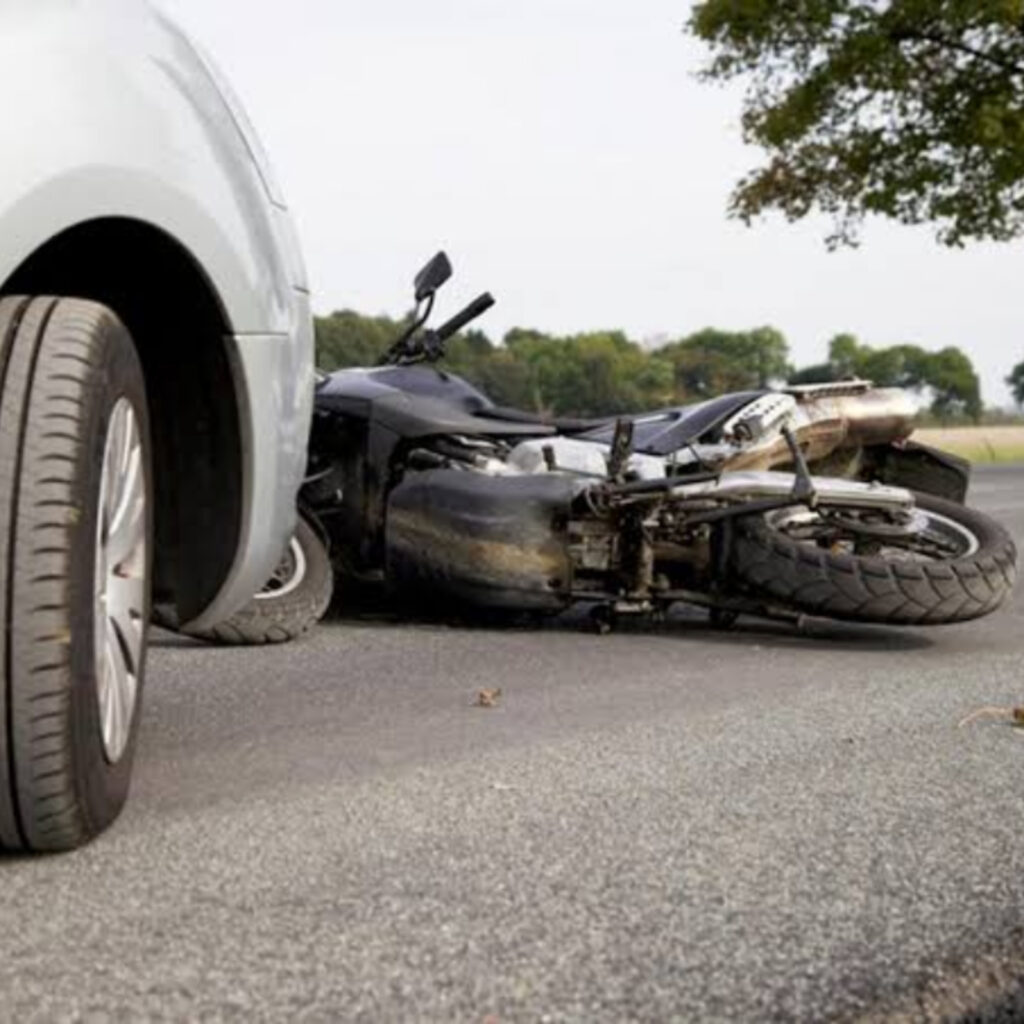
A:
(564, 155)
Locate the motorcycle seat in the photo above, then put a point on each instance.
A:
(667, 430)
(562, 424)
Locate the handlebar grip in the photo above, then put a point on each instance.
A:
(479, 305)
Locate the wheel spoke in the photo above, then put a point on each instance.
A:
(127, 441)
(125, 601)
(127, 528)
(122, 689)
(929, 537)
(112, 462)
(116, 670)
(105, 687)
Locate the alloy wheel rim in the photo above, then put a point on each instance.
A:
(290, 572)
(929, 535)
(121, 560)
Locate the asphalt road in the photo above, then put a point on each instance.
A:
(660, 824)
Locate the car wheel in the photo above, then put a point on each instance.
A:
(75, 557)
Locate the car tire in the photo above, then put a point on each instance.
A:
(75, 565)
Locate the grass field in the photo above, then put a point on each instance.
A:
(979, 444)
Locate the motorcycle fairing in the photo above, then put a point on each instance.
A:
(417, 401)
(499, 542)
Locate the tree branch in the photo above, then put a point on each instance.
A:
(900, 34)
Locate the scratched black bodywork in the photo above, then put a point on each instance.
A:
(501, 542)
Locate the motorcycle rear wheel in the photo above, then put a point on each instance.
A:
(960, 566)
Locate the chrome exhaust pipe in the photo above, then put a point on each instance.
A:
(768, 485)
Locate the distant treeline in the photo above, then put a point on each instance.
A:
(605, 372)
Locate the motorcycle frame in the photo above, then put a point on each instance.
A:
(550, 538)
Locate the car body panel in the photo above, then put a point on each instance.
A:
(279, 431)
(126, 120)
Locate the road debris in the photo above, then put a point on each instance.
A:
(1015, 715)
(488, 698)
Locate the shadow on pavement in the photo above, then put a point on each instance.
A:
(685, 622)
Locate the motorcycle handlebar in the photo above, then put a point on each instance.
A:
(479, 305)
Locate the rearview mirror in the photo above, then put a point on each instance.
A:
(432, 276)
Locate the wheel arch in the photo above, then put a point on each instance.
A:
(183, 335)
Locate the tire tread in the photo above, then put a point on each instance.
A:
(51, 367)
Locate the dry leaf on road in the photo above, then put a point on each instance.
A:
(1015, 715)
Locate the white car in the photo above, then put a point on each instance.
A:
(156, 380)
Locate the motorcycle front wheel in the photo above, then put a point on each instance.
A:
(956, 565)
(290, 603)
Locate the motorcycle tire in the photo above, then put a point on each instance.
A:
(873, 587)
(293, 600)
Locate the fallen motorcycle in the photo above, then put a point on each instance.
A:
(802, 501)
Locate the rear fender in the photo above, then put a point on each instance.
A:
(919, 468)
